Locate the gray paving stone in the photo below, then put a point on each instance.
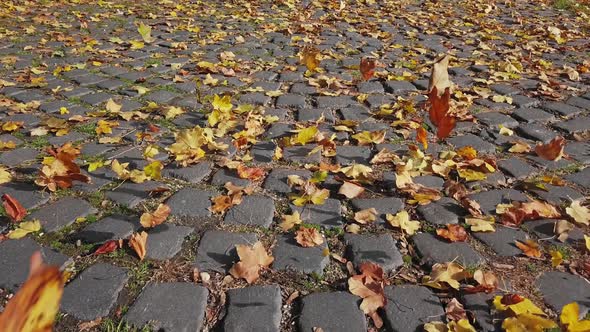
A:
(581, 178)
(332, 312)
(557, 195)
(524, 101)
(502, 240)
(18, 156)
(495, 119)
(531, 115)
(110, 228)
(352, 154)
(334, 102)
(279, 130)
(536, 132)
(263, 152)
(545, 164)
(561, 288)
(301, 154)
(96, 99)
(277, 179)
(574, 126)
(313, 114)
(165, 240)
(165, 306)
(409, 307)
(474, 141)
(355, 113)
(384, 205)
(224, 175)
(488, 200)
(579, 151)
(378, 249)
(326, 215)
(256, 98)
(254, 210)
(291, 101)
(253, 309)
(370, 87)
(544, 229)
(27, 194)
(15, 256)
(479, 304)
(399, 86)
(161, 96)
(442, 212)
(217, 250)
(94, 292)
(561, 109)
(517, 168)
(193, 174)
(579, 102)
(131, 194)
(61, 213)
(430, 181)
(505, 89)
(433, 250)
(289, 255)
(191, 202)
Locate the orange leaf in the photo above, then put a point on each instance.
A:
(552, 150)
(221, 204)
(13, 208)
(369, 286)
(439, 113)
(367, 68)
(529, 248)
(148, 219)
(252, 259)
(422, 137)
(453, 233)
(250, 173)
(308, 237)
(35, 305)
(138, 243)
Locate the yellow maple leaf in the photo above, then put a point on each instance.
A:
(153, 170)
(556, 257)
(569, 317)
(581, 214)
(290, 220)
(222, 103)
(471, 175)
(25, 228)
(356, 171)
(402, 220)
(305, 135)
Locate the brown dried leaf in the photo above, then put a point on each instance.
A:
(138, 242)
(308, 237)
(252, 259)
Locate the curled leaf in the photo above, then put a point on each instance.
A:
(15, 211)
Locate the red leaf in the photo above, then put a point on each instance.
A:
(439, 113)
(106, 248)
(552, 150)
(422, 137)
(367, 68)
(15, 211)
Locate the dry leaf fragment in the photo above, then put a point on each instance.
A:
(552, 150)
(310, 57)
(152, 219)
(422, 137)
(529, 248)
(369, 286)
(15, 211)
(455, 311)
(453, 233)
(350, 189)
(367, 68)
(579, 213)
(35, 305)
(366, 216)
(402, 220)
(570, 317)
(252, 259)
(138, 242)
(445, 275)
(290, 220)
(308, 237)
(487, 282)
(107, 247)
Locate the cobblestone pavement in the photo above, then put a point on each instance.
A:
(83, 73)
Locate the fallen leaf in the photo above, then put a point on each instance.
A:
(308, 237)
(152, 219)
(15, 211)
(107, 247)
(569, 317)
(487, 282)
(481, 224)
(579, 213)
(138, 242)
(290, 220)
(529, 248)
(552, 150)
(453, 233)
(367, 68)
(35, 305)
(445, 275)
(520, 147)
(422, 137)
(146, 32)
(365, 216)
(250, 173)
(350, 190)
(310, 57)
(369, 286)
(252, 259)
(402, 220)
(455, 311)
(24, 228)
(556, 258)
